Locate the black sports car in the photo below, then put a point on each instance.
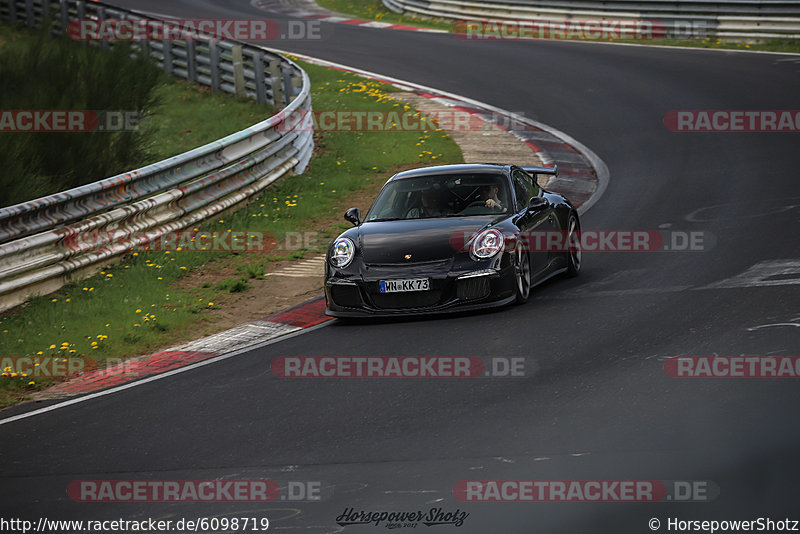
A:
(451, 238)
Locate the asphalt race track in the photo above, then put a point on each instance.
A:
(596, 403)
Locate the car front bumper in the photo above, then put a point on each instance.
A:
(359, 296)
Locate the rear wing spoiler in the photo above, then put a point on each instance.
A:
(541, 170)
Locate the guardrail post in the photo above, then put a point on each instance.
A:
(213, 64)
(101, 14)
(261, 88)
(12, 11)
(276, 83)
(64, 12)
(144, 45)
(289, 87)
(191, 60)
(46, 11)
(238, 71)
(30, 21)
(166, 50)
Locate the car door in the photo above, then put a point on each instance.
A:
(535, 225)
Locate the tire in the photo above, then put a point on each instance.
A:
(522, 275)
(574, 246)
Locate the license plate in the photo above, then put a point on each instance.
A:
(397, 286)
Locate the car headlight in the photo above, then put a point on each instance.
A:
(487, 244)
(343, 252)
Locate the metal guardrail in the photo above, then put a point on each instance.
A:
(729, 20)
(37, 252)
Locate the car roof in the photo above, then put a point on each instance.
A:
(474, 168)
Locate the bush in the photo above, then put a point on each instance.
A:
(232, 285)
(42, 73)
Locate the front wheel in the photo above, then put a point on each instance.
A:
(522, 271)
(573, 245)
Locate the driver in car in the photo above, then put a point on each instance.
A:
(488, 194)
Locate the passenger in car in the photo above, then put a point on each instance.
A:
(431, 205)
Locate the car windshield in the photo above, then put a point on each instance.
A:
(426, 197)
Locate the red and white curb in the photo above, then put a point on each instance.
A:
(297, 318)
(314, 12)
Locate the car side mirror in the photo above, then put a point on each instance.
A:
(536, 204)
(353, 215)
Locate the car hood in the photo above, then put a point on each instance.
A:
(386, 242)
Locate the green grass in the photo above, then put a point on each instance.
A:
(770, 45)
(375, 10)
(190, 115)
(139, 305)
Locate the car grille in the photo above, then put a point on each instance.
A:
(415, 299)
(472, 288)
(407, 270)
